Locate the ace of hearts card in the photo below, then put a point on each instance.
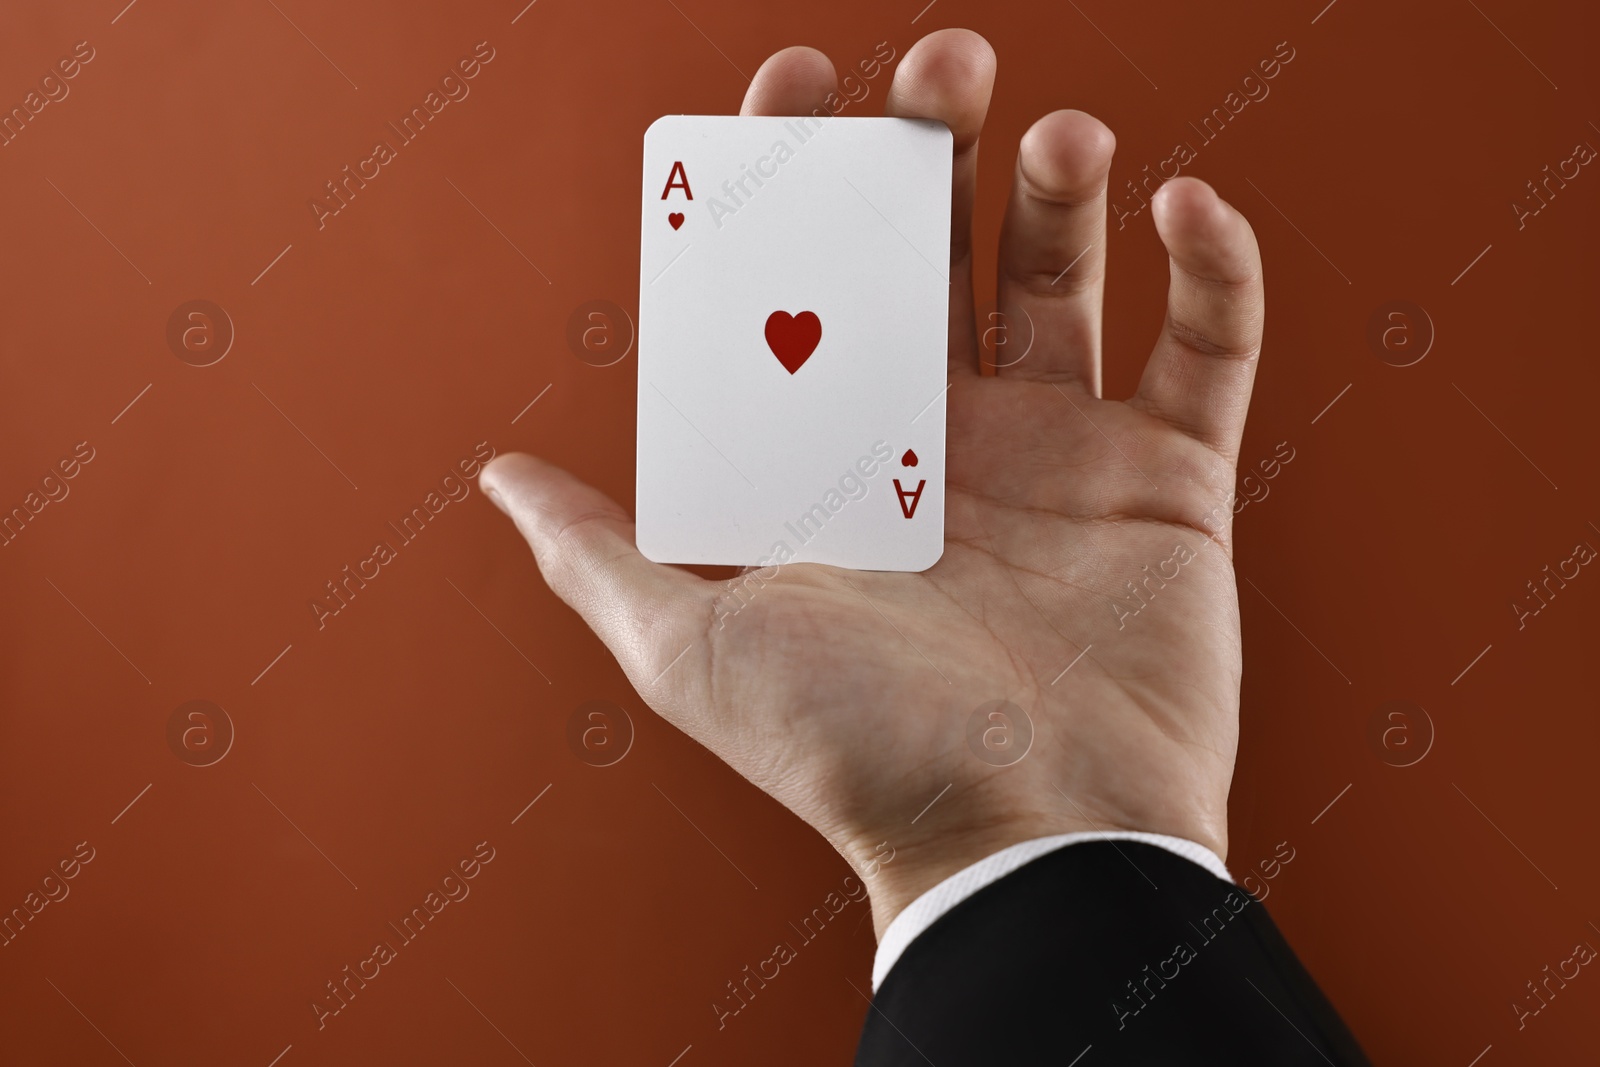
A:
(793, 337)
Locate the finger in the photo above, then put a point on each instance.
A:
(1053, 252)
(794, 81)
(949, 76)
(1200, 374)
(584, 545)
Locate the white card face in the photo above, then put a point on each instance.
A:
(793, 308)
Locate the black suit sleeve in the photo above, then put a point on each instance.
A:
(1117, 952)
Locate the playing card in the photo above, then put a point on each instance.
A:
(793, 309)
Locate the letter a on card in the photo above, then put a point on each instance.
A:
(909, 498)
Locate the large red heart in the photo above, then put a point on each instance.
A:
(793, 338)
(676, 219)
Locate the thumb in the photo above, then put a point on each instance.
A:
(583, 542)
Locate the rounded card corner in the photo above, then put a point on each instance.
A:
(938, 554)
(650, 551)
(942, 131)
(650, 129)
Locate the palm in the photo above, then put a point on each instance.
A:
(1047, 523)
(849, 695)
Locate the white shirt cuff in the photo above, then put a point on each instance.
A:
(930, 906)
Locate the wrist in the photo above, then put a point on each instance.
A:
(899, 865)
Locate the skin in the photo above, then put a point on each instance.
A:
(848, 695)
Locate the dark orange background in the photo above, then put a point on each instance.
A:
(375, 753)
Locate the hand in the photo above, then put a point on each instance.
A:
(1072, 522)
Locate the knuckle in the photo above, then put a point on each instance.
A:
(1204, 483)
(1055, 285)
(1229, 339)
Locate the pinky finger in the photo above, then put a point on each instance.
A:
(1203, 367)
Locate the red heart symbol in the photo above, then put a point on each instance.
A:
(793, 338)
(909, 459)
(676, 218)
